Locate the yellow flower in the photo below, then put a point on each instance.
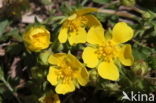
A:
(66, 73)
(75, 26)
(36, 38)
(103, 52)
(50, 97)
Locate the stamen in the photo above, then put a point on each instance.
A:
(72, 17)
(65, 73)
(107, 51)
(76, 23)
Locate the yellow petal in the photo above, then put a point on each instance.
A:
(81, 74)
(108, 70)
(63, 35)
(73, 62)
(85, 11)
(92, 21)
(72, 17)
(52, 75)
(56, 59)
(64, 88)
(122, 33)
(83, 77)
(96, 35)
(125, 56)
(78, 36)
(36, 30)
(89, 57)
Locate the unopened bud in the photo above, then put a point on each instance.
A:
(149, 15)
(44, 57)
(38, 72)
(111, 87)
(93, 76)
(128, 2)
(140, 68)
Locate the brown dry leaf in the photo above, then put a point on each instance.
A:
(29, 18)
(13, 68)
(2, 51)
(1, 3)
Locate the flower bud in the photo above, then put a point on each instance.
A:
(148, 15)
(140, 68)
(111, 87)
(38, 73)
(50, 97)
(128, 2)
(43, 57)
(93, 76)
(36, 38)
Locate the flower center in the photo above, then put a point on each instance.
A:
(107, 51)
(66, 73)
(75, 22)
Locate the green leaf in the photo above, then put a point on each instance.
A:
(3, 25)
(2, 88)
(1, 73)
(15, 34)
(46, 2)
(152, 61)
(1, 100)
(138, 55)
(14, 49)
(101, 1)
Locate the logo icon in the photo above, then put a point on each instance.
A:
(125, 96)
(138, 96)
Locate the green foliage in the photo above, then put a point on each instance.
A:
(46, 2)
(23, 74)
(128, 2)
(102, 1)
(3, 25)
(14, 49)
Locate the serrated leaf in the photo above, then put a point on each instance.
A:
(1, 73)
(3, 25)
(146, 51)
(14, 34)
(138, 55)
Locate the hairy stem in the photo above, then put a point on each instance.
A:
(119, 13)
(10, 88)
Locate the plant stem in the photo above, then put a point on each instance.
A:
(142, 45)
(10, 88)
(133, 8)
(7, 84)
(84, 2)
(119, 13)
